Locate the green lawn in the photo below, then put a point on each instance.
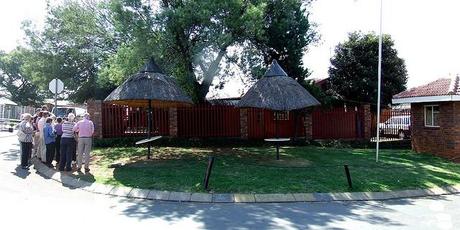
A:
(301, 169)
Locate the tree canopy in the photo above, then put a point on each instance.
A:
(16, 79)
(353, 71)
(93, 46)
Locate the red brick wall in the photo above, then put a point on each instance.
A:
(173, 122)
(307, 120)
(94, 108)
(244, 123)
(443, 141)
(367, 121)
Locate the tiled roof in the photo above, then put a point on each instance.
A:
(440, 87)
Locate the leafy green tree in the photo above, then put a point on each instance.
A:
(93, 46)
(195, 41)
(15, 79)
(353, 71)
(76, 39)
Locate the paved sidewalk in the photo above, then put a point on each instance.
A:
(37, 197)
(73, 182)
(7, 134)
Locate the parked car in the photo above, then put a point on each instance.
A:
(396, 126)
(61, 111)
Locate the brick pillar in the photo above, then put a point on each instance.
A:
(244, 123)
(173, 122)
(367, 121)
(94, 108)
(307, 122)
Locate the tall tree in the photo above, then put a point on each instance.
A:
(76, 39)
(16, 80)
(204, 40)
(353, 71)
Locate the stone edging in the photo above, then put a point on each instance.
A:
(235, 198)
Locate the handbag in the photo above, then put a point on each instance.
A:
(21, 136)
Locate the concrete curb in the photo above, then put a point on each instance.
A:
(137, 193)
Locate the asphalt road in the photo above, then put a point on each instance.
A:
(27, 199)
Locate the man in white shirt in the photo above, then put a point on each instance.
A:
(41, 143)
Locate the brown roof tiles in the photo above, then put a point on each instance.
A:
(440, 87)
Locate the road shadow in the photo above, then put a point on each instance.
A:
(12, 154)
(20, 172)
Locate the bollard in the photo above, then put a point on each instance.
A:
(208, 172)
(347, 173)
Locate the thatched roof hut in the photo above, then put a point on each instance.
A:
(277, 91)
(150, 83)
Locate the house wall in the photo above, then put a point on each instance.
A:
(442, 141)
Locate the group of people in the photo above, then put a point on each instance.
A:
(63, 140)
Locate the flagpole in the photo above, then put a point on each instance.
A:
(379, 85)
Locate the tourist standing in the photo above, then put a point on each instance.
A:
(36, 136)
(25, 132)
(67, 143)
(58, 130)
(50, 139)
(41, 141)
(85, 130)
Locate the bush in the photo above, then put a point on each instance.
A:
(191, 142)
(238, 142)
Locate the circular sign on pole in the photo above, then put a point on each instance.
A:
(56, 86)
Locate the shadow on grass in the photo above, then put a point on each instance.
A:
(301, 169)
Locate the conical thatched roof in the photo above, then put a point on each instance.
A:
(149, 84)
(277, 91)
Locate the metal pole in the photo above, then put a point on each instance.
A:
(149, 128)
(208, 172)
(347, 173)
(277, 136)
(55, 93)
(379, 85)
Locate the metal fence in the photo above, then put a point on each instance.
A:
(11, 114)
(394, 124)
(338, 123)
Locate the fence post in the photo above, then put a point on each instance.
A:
(208, 172)
(94, 108)
(244, 123)
(367, 121)
(173, 128)
(347, 173)
(308, 124)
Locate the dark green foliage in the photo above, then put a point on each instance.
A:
(93, 46)
(353, 71)
(77, 37)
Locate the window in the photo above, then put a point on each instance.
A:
(281, 116)
(432, 115)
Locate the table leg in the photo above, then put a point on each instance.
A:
(277, 151)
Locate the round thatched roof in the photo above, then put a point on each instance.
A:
(277, 91)
(149, 84)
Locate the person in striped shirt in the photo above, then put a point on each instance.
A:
(67, 143)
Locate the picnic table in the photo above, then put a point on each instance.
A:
(277, 144)
(148, 140)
